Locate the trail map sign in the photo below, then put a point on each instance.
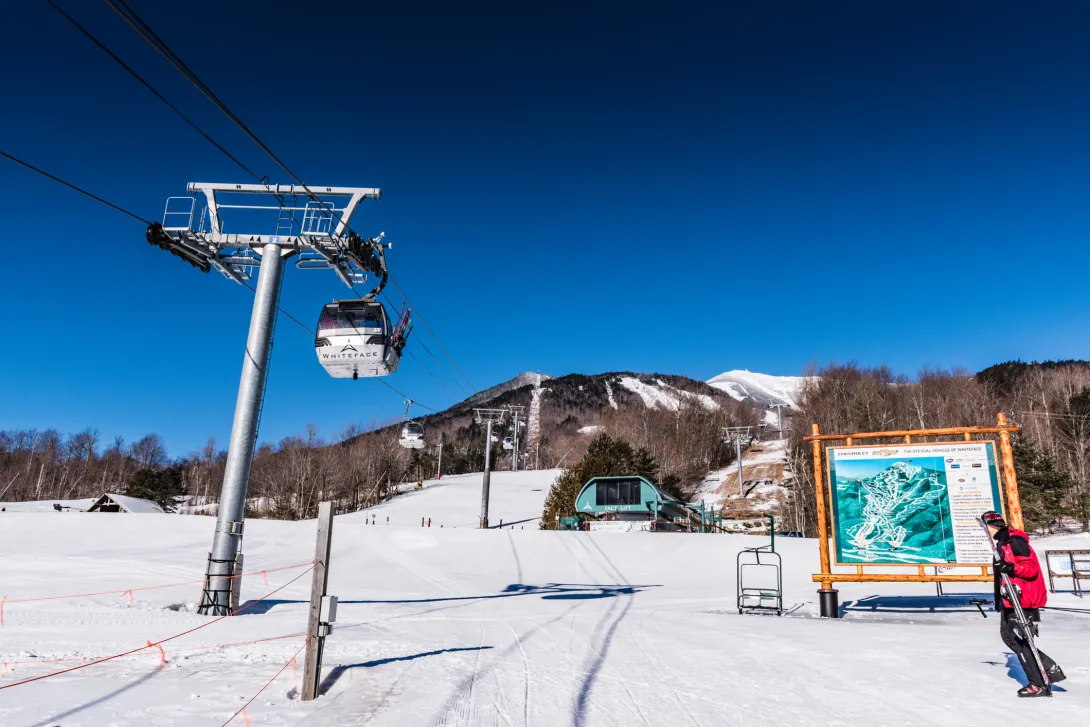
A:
(912, 504)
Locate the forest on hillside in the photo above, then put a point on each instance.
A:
(1050, 401)
(359, 468)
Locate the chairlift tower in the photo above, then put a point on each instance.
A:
(736, 435)
(315, 233)
(516, 413)
(488, 417)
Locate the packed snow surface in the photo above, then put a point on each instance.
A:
(662, 395)
(760, 389)
(459, 626)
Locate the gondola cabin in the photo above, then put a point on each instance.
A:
(412, 435)
(508, 443)
(355, 338)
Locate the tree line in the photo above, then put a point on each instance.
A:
(1050, 402)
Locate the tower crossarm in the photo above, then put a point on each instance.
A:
(310, 223)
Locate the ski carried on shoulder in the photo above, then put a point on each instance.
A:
(1014, 597)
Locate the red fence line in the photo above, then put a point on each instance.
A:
(7, 664)
(161, 641)
(123, 591)
(242, 709)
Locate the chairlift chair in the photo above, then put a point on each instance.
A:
(356, 338)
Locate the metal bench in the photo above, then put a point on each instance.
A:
(1073, 564)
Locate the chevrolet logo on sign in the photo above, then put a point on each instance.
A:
(885, 452)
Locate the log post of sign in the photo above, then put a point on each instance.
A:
(323, 608)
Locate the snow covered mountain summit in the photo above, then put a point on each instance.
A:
(759, 389)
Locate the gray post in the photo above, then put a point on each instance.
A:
(240, 452)
(439, 467)
(779, 419)
(487, 475)
(312, 661)
(738, 449)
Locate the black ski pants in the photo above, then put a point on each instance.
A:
(1009, 629)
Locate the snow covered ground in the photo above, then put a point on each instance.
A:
(457, 626)
(760, 389)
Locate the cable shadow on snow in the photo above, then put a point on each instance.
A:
(55, 719)
(548, 592)
(338, 671)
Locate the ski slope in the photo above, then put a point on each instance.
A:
(455, 501)
(458, 626)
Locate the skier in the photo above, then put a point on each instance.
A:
(1018, 561)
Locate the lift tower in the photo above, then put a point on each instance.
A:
(309, 224)
(488, 417)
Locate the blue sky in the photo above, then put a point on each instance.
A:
(569, 187)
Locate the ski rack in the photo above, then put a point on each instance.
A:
(766, 598)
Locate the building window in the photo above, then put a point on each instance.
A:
(617, 492)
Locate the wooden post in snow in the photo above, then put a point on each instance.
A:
(316, 630)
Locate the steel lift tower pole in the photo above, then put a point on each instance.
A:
(489, 417)
(516, 411)
(319, 238)
(735, 435)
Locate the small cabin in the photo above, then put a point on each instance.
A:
(122, 503)
(634, 498)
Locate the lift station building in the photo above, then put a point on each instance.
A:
(635, 499)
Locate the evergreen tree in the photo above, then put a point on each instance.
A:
(158, 485)
(606, 457)
(1041, 486)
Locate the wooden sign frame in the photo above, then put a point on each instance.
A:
(1008, 488)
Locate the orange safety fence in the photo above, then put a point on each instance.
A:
(290, 662)
(152, 644)
(6, 666)
(130, 591)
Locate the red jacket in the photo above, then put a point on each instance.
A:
(1027, 569)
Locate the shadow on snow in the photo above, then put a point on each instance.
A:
(952, 603)
(549, 592)
(338, 671)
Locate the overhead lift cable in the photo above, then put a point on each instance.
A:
(414, 309)
(71, 186)
(164, 50)
(429, 373)
(442, 368)
(145, 31)
(158, 95)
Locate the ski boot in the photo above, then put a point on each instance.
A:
(1032, 690)
(1056, 674)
